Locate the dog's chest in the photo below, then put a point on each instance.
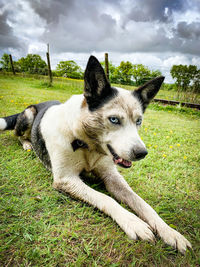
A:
(91, 160)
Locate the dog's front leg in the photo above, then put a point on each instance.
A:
(117, 186)
(131, 224)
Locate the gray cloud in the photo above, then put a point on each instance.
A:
(51, 10)
(7, 39)
(186, 38)
(154, 10)
(81, 30)
(194, 4)
(84, 26)
(188, 30)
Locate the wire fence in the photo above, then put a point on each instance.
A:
(46, 75)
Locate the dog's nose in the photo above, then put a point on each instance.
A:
(141, 154)
(138, 153)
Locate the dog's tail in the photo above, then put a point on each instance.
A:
(8, 123)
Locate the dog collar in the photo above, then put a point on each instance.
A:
(77, 143)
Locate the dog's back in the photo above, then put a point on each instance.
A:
(22, 122)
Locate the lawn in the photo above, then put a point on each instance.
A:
(181, 96)
(42, 227)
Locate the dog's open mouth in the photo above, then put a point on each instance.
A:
(117, 160)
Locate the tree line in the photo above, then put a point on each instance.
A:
(32, 64)
(187, 78)
(125, 73)
(131, 74)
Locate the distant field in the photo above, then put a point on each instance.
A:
(42, 227)
(163, 94)
(174, 95)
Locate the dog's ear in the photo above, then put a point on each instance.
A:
(97, 89)
(148, 91)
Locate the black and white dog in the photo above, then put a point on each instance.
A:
(95, 132)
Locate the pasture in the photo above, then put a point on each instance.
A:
(42, 227)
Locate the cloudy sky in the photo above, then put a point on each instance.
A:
(156, 33)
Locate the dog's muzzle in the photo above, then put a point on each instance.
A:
(117, 160)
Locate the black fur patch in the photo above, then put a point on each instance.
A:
(37, 139)
(22, 124)
(148, 91)
(11, 121)
(97, 101)
(77, 143)
(41, 149)
(97, 89)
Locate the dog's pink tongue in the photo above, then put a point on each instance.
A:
(127, 163)
(123, 162)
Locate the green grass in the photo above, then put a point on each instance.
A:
(189, 97)
(42, 227)
(59, 82)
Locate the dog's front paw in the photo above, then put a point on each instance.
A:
(174, 238)
(27, 145)
(135, 228)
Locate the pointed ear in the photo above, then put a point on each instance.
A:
(148, 91)
(97, 89)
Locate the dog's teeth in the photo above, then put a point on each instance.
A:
(120, 160)
(115, 161)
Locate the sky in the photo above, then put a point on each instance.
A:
(156, 33)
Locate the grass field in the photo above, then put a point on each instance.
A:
(189, 96)
(42, 227)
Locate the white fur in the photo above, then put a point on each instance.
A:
(25, 143)
(124, 140)
(116, 185)
(29, 115)
(3, 124)
(132, 225)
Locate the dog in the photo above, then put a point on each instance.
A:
(96, 132)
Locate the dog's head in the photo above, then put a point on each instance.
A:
(115, 114)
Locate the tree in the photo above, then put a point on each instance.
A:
(127, 73)
(141, 74)
(5, 62)
(184, 75)
(196, 82)
(33, 64)
(112, 70)
(155, 73)
(124, 72)
(69, 69)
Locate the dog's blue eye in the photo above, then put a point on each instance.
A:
(139, 122)
(114, 120)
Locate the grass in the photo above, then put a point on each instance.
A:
(189, 97)
(172, 94)
(42, 227)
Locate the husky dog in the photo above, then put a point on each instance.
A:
(96, 132)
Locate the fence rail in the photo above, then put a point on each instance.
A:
(173, 102)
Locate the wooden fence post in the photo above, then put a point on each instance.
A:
(11, 63)
(106, 66)
(49, 66)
